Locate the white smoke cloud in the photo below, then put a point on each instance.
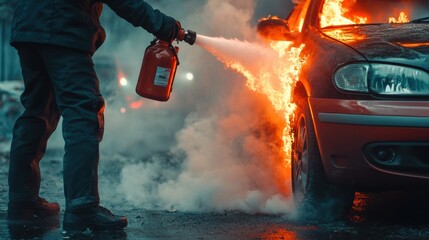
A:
(232, 161)
(230, 18)
(215, 145)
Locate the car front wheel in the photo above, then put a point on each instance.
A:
(314, 196)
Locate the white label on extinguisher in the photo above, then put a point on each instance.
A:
(162, 76)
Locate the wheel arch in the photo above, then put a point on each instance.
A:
(300, 92)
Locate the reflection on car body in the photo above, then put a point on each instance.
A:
(362, 118)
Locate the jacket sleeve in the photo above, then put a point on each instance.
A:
(141, 14)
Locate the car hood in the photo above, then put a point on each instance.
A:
(396, 43)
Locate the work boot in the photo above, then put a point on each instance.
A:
(34, 210)
(93, 218)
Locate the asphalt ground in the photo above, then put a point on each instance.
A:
(390, 215)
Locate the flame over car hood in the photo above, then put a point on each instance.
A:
(397, 43)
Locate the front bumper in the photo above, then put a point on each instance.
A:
(373, 144)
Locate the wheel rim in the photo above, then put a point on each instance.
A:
(300, 159)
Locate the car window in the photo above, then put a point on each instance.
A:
(297, 17)
(351, 12)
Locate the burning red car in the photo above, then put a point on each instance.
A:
(362, 116)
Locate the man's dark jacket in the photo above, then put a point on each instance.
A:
(75, 23)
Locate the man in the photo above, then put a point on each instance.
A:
(55, 40)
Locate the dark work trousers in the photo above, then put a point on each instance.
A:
(58, 82)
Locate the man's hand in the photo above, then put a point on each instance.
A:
(188, 36)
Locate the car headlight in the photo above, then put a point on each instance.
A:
(353, 77)
(396, 80)
(382, 79)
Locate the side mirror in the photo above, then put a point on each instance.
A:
(274, 28)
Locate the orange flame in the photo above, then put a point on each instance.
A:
(334, 14)
(403, 18)
(276, 81)
(277, 84)
(270, 70)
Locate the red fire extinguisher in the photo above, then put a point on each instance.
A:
(158, 70)
(159, 67)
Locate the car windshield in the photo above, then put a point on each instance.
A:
(354, 12)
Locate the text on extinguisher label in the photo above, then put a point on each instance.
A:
(161, 77)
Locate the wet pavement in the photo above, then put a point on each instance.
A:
(391, 215)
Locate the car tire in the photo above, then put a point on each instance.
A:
(314, 197)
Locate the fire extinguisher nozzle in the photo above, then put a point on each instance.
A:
(190, 37)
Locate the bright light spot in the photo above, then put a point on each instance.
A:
(123, 110)
(123, 81)
(190, 76)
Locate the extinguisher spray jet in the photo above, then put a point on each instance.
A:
(159, 67)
